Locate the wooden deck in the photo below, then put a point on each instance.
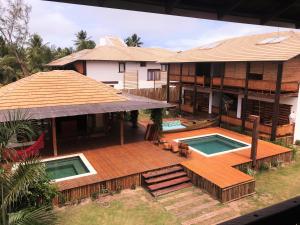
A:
(122, 165)
(220, 172)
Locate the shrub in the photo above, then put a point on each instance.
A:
(250, 172)
(297, 142)
(264, 166)
(275, 163)
(94, 196)
(118, 189)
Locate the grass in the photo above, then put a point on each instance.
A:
(137, 207)
(275, 185)
(130, 209)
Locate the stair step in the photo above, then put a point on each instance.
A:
(171, 189)
(162, 172)
(168, 183)
(165, 177)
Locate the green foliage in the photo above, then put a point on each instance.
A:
(264, 166)
(157, 116)
(83, 41)
(133, 41)
(297, 142)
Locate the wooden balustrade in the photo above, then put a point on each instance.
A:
(262, 85)
(282, 130)
(187, 78)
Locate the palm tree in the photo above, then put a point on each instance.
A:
(83, 41)
(134, 41)
(18, 185)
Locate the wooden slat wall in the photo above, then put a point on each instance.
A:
(291, 70)
(188, 69)
(131, 80)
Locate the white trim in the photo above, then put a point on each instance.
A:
(219, 153)
(90, 168)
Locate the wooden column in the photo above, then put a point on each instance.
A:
(276, 101)
(195, 95)
(255, 135)
(221, 96)
(168, 83)
(180, 87)
(54, 137)
(121, 128)
(245, 99)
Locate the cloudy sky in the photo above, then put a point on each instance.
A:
(57, 23)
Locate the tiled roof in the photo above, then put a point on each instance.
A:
(54, 88)
(285, 46)
(115, 53)
(61, 93)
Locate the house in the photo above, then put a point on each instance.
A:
(122, 67)
(233, 78)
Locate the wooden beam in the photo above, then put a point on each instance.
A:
(221, 95)
(227, 10)
(122, 128)
(245, 99)
(54, 137)
(277, 11)
(180, 87)
(276, 101)
(170, 5)
(255, 135)
(195, 95)
(168, 83)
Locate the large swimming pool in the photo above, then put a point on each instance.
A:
(214, 144)
(68, 167)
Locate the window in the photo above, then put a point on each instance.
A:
(164, 67)
(153, 74)
(143, 64)
(122, 67)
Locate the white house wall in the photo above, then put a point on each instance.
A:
(109, 71)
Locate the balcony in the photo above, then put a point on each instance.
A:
(187, 79)
(282, 130)
(260, 85)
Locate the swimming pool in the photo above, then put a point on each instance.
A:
(214, 144)
(68, 167)
(172, 125)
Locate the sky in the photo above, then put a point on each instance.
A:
(58, 23)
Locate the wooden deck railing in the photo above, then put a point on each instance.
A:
(282, 130)
(262, 85)
(187, 78)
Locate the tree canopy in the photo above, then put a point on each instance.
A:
(133, 41)
(83, 41)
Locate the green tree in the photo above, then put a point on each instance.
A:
(133, 41)
(83, 41)
(38, 54)
(62, 52)
(26, 191)
(14, 19)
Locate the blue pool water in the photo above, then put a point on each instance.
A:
(172, 125)
(213, 144)
(66, 167)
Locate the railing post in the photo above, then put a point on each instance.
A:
(245, 102)
(180, 88)
(255, 135)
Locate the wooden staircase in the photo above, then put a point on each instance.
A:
(166, 180)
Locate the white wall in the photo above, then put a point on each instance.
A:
(109, 71)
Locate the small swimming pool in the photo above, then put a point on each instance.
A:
(68, 167)
(214, 144)
(172, 125)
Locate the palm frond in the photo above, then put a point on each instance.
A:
(33, 216)
(25, 174)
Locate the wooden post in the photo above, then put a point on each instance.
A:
(255, 135)
(180, 88)
(276, 101)
(245, 100)
(168, 83)
(54, 138)
(221, 96)
(195, 95)
(121, 128)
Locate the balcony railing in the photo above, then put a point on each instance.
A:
(187, 79)
(282, 130)
(262, 85)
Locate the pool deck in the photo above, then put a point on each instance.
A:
(124, 164)
(220, 169)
